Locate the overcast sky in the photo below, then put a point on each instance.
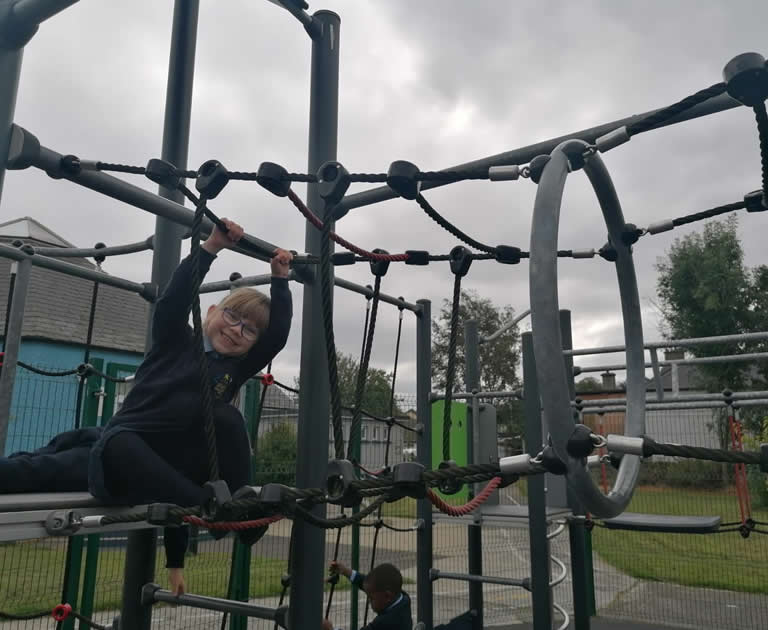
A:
(437, 83)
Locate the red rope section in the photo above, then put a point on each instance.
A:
(315, 220)
(461, 510)
(234, 525)
(740, 470)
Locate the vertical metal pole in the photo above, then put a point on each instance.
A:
(12, 343)
(541, 594)
(474, 530)
(18, 23)
(576, 528)
(140, 553)
(424, 456)
(308, 567)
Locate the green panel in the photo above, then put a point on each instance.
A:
(72, 577)
(89, 579)
(459, 437)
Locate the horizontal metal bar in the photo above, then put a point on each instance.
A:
(216, 603)
(726, 358)
(514, 321)
(50, 161)
(714, 404)
(145, 290)
(30, 524)
(607, 402)
(91, 252)
(517, 393)
(672, 343)
(248, 281)
(383, 297)
(526, 154)
(435, 574)
(253, 281)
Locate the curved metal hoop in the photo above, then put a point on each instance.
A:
(547, 340)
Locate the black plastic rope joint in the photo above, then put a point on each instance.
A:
(407, 481)
(99, 258)
(70, 165)
(401, 178)
(507, 254)
(449, 486)
(379, 267)
(218, 496)
(163, 173)
(630, 234)
(756, 201)
(163, 514)
(536, 167)
(333, 182)
(461, 260)
(212, 176)
(338, 483)
(343, 258)
(84, 370)
(416, 257)
(746, 78)
(285, 580)
(576, 155)
(608, 252)
(274, 178)
(378, 523)
(580, 444)
(273, 494)
(551, 462)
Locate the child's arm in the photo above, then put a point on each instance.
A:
(273, 339)
(172, 309)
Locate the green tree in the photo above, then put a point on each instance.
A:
(499, 359)
(378, 387)
(276, 456)
(589, 384)
(704, 289)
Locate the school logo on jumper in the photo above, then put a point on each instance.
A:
(221, 384)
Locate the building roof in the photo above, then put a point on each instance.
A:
(27, 229)
(58, 305)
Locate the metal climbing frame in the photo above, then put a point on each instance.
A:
(19, 20)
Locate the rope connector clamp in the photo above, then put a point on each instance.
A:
(274, 178)
(379, 267)
(407, 481)
(401, 178)
(333, 181)
(461, 260)
(449, 486)
(163, 173)
(338, 483)
(212, 176)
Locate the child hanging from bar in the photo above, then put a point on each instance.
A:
(154, 448)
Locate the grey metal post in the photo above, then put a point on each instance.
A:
(11, 349)
(576, 526)
(474, 530)
(308, 567)
(424, 454)
(19, 20)
(140, 552)
(541, 594)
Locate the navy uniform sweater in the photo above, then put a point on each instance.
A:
(397, 616)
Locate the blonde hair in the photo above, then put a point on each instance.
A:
(249, 304)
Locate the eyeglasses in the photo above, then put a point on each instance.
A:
(233, 319)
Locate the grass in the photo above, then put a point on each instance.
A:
(723, 561)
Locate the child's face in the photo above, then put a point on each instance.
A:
(228, 333)
(379, 600)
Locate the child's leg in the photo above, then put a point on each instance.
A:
(135, 472)
(63, 471)
(233, 446)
